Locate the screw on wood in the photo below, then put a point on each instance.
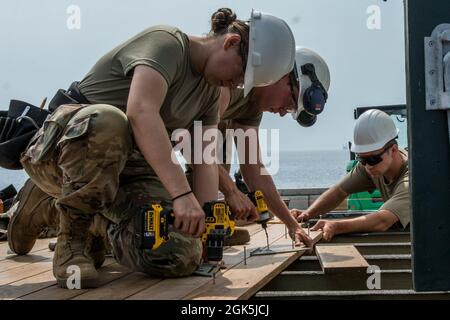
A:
(245, 255)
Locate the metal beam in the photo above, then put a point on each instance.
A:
(351, 295)
(318, 281)
(429, 154)
(374, 237)
(385, 262)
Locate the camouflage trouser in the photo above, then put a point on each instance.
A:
(85, 158)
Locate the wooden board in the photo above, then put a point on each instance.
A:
(112, 271)
(116, 283)
(179, 288)
(5, 252)
(120, 289)
(340, 258)
(26, 271)
(14, 261)
(31, 277)
(244, 280)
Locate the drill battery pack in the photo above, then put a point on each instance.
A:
(153, 226)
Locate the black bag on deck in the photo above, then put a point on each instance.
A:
(17, 126)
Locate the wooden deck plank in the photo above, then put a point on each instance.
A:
(26, 271)
(180, 288)
(33, 272)
(136, 282)
(15, 261)
(340, 258)
(176, 289)
(26, 286)
(120, 289)
(35, 280)
(243, 281)
(112, 271)
(40, 244)
(32, 284)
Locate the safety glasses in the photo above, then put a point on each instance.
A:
(373, 159)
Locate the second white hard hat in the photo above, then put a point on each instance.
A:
(313, 76)
(373, 130)
(271, 53)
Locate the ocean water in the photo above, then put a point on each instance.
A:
(311, 169)
(297, 169)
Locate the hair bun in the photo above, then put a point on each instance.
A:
(221, 19)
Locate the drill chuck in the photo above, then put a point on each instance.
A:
(257, 198)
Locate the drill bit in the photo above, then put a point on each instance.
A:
(264, 225)
(245, 255)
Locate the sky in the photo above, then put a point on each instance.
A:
(43, 48)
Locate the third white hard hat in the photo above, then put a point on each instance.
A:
(271, 53)
(373, 130)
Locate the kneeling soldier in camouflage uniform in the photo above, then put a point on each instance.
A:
(93, 159)
(110, 156)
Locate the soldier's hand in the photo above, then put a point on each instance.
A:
(300, 238)
(328, 228)
(189, 215)
(300, 216)
(241, 206)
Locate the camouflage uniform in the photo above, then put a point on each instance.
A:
(85, 157)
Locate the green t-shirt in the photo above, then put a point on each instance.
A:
(395, 195)
(165, 49)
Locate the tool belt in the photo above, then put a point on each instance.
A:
(20, 123)
(72, 95)
(17, 126)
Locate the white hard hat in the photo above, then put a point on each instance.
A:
(271, 52)
(314, 82)
(373, 130)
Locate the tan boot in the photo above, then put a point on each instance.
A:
(96, 248)
(71, 256)
(32, 213)
(98, 244)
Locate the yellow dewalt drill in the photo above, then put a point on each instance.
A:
(257, 197)
(156, 220)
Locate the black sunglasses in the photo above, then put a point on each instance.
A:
(372, 160)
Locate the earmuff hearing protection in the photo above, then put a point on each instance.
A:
(314, 98)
